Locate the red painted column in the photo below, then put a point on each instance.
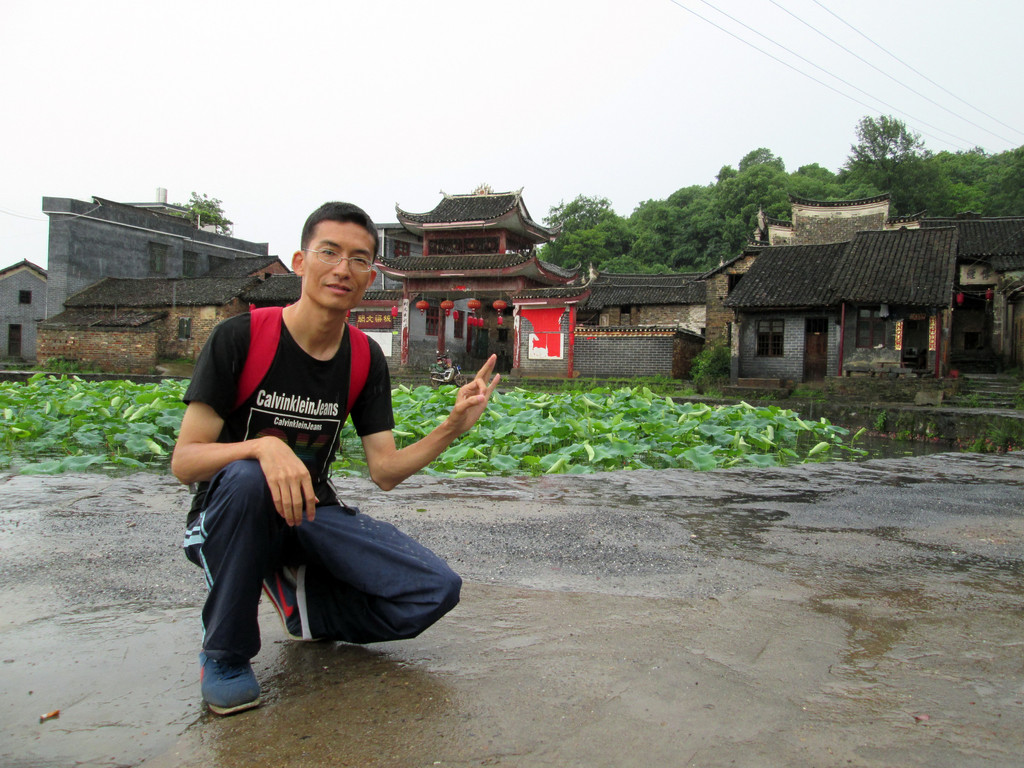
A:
(572, 337)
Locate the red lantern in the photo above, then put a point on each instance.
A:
(960, 298)
(422, 305)
(394, 311)
(455, 315)
(989, 294)
(447, 305)
(500, 305)
(501, 320)
(473, 304)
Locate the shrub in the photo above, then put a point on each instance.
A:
(711, 365)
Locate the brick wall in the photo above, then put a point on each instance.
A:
(118, 350)
(623, 352)
(543, 368)
(204, 320)
(13, 312)
(790, 365)
(836, 224)
(719, 318)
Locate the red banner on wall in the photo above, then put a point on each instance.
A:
(546, 338)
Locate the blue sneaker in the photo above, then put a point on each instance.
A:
(228, 688)
(287, 592)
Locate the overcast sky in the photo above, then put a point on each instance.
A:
(276, 107)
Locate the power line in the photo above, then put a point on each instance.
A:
(883, 72)
(787, 64)
(921, 74)
(20, 215)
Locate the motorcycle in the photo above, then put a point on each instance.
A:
(444, 371)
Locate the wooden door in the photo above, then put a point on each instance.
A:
(815, 348)
(14, 340)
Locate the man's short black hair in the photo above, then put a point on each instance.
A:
(340, 212)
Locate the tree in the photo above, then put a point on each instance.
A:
(815, 183)
(206, 211)
(761, 156)
(890, 158)
(1007, 184)
(592, 233)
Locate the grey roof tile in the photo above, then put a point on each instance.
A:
(160, 292)
(789, 276)
(916, 267)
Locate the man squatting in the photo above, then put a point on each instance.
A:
(266, 516)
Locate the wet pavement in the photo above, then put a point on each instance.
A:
(853, 614)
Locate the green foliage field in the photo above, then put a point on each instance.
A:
(531, 433)
(54, 424)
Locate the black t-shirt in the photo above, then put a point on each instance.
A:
(300, 400)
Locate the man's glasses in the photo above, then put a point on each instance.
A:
(355, 263)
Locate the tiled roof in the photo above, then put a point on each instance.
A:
(504, 209)
(982, 237)
(1007, 262)
(243, 267)
(392, 296)
(477, 263)
(908, 219)
(459, 262)
(276, 289)
(837, 203)
(564, 292)
(609, 290)
(751, 249)
(160, 292)
(24, 263)
(458, 208)
(916, 267)
(85, 318)
(789, 276)
(286, 289)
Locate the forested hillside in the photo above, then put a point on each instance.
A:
(698, 226)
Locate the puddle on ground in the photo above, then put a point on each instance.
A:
(824, 599)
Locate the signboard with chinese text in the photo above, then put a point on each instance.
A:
(377, 319)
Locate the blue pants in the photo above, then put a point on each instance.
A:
(365, 580)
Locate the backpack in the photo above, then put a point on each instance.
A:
(265, 332)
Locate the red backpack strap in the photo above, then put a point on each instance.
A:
(264, 334)
(360, 345)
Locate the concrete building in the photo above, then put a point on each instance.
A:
(89, 241)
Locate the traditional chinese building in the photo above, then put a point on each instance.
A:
(477, 287)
